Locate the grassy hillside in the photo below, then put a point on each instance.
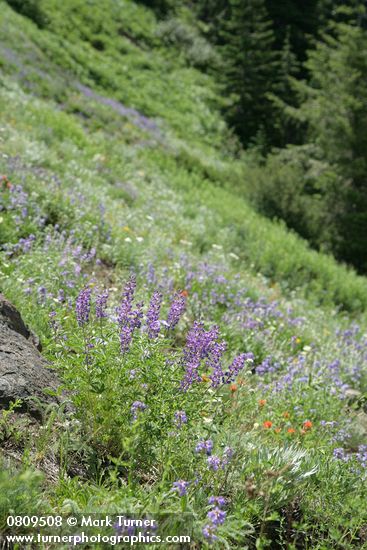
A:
(115, 162)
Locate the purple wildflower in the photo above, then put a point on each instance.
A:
(227, 455)
(209, 532)
(128, 318)
(125, 308)
(83, 306)
(126, 335)
(361, 456)
(101, 303)
(180, 418)
(219, 501)
(136, 407)
(177, 308)
(340, 454)
(214, 362)
(181, 487)
(153, 312)
(42, 293)
(217, 516)
(236, 366)
(199, 345)
(137, 316)
(122, 529)
(204, 447)
(214, 463)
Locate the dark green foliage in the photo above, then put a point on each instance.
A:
(320, 189)
(294, 21)
(161, 7)
(297, 76)
(250, 66)
(335, 108)
(31, 9)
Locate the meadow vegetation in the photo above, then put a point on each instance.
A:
(216, 364)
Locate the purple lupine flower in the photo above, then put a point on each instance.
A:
(125, 307)
(204, 447)
(128, 318)
(122, 529)
(199, 344)
(132, 321)
(55, 325)
(136, 316)
(42, 293)
(236, 366)
(209, 532)
(101, 303)
(181, 487)
(198, 478)
(136, 407)
(340, 454)
(215, 363)
(82, 306)
(28, 289)
(153, 312)
(227, 455)
(214, 463)
(126, 335)
(151, 277)
(361, 455)
(180, 418)
(177, 308)
(25, 244)
(219, 501)
(90, 255)
(217, 516)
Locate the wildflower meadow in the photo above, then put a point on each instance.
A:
(212, 366)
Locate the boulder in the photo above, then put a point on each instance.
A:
(24, 373)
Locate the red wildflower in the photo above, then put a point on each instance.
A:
(267, 424)
(307, 425)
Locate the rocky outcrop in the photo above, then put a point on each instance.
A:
(24, 374)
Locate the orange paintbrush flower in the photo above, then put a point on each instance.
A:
(307, 425)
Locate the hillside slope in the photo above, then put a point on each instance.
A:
(115, 162)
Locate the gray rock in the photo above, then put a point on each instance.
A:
(24, 373)
(10, 316)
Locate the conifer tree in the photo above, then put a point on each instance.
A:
(335, 109)
(284, 130)
(250, 67)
